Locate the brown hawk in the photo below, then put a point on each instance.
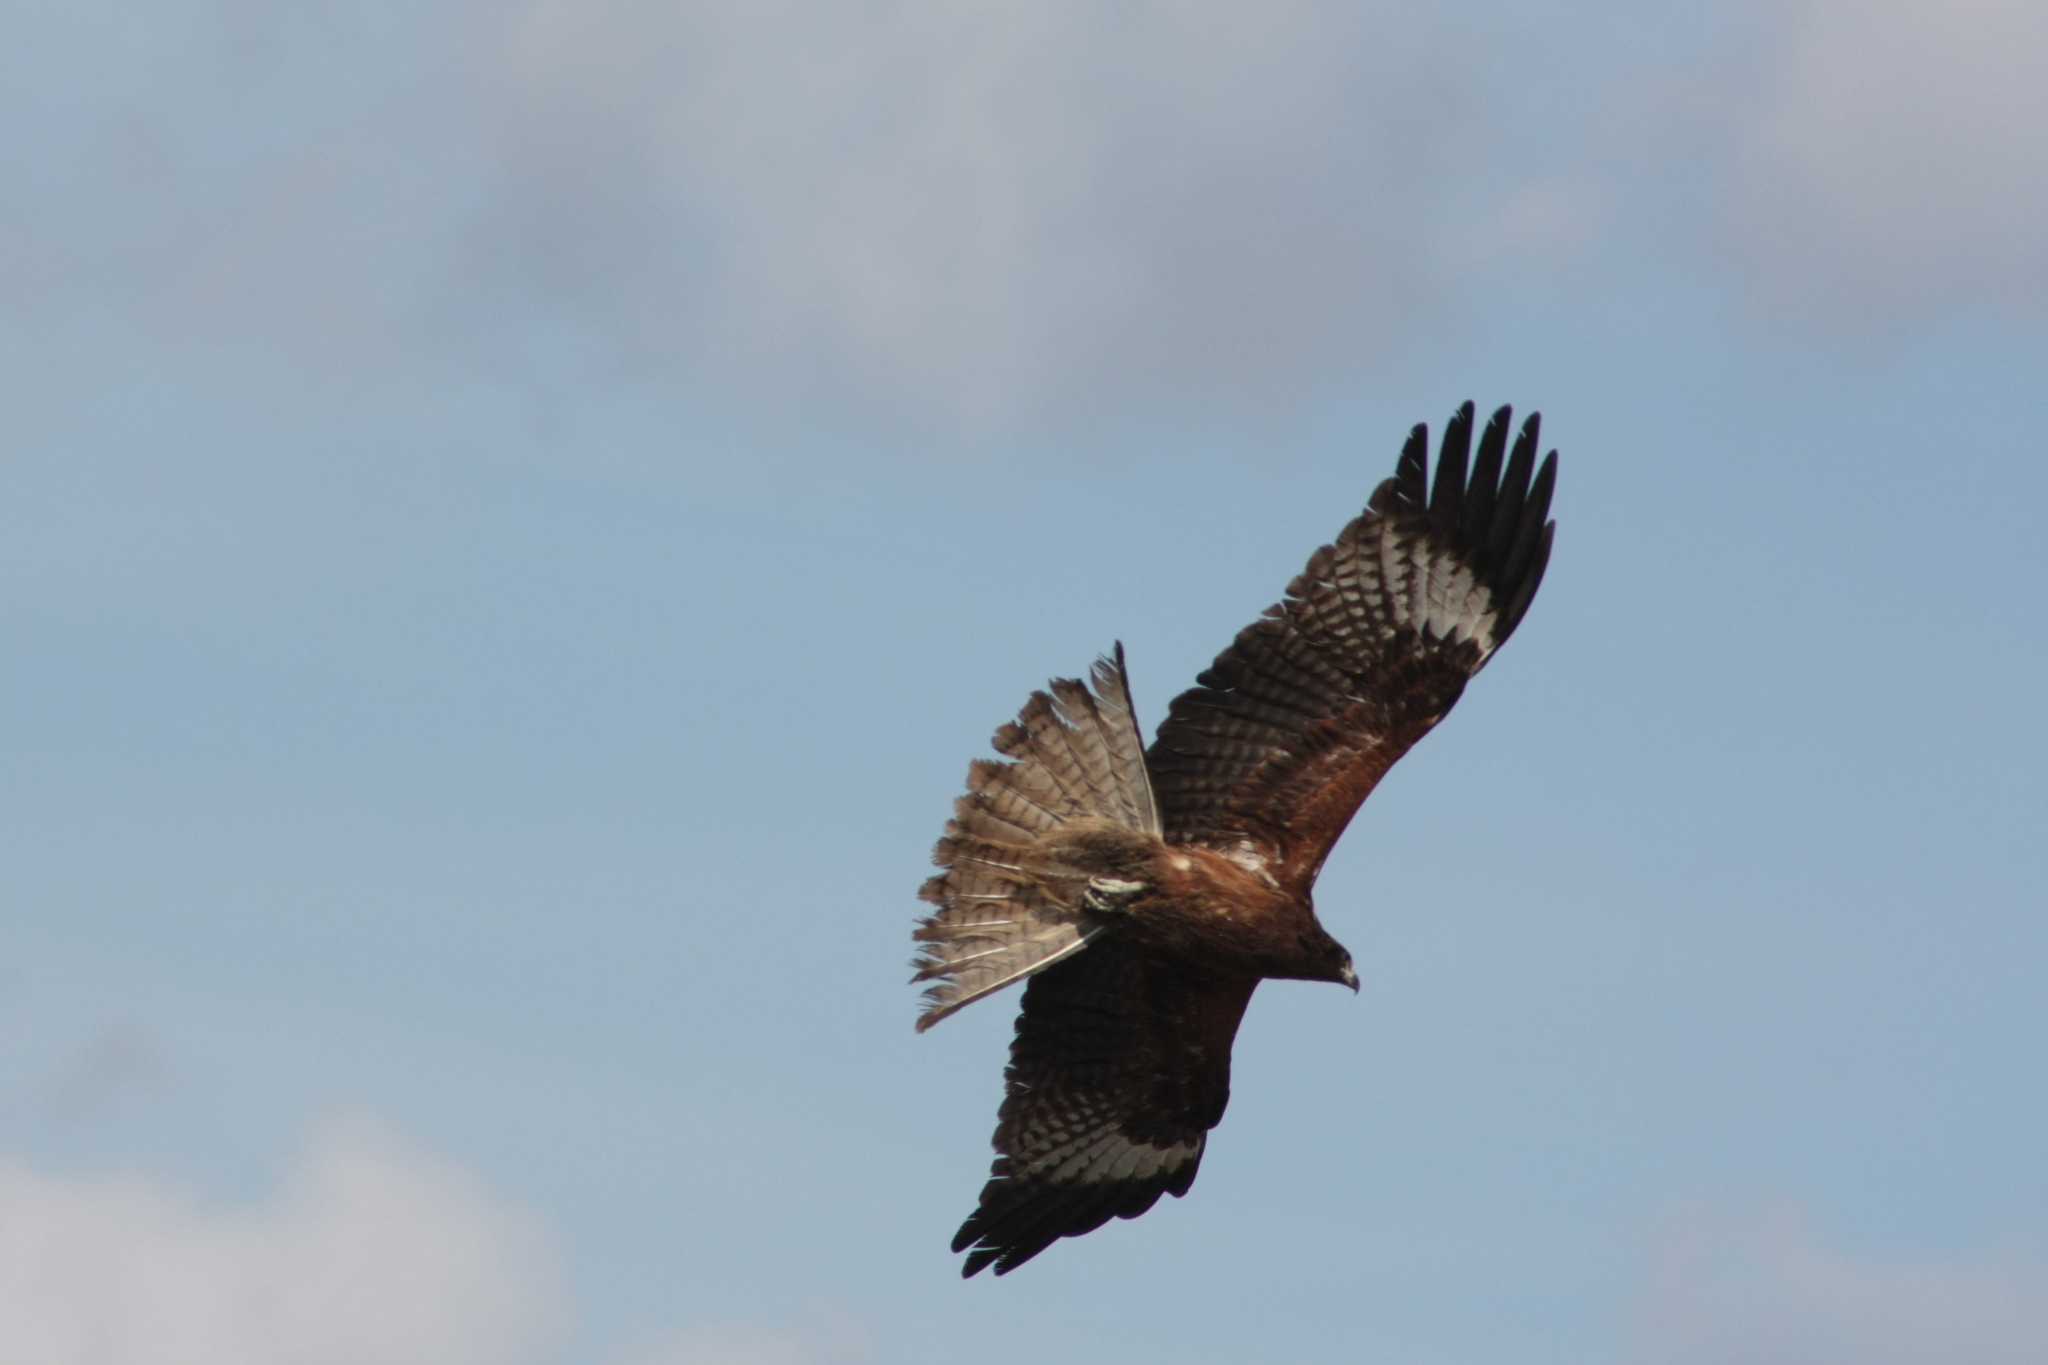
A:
(1146, 893)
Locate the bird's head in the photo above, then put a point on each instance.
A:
(1329, 960)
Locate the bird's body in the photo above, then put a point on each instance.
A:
(1144, 894)
(1192, 904)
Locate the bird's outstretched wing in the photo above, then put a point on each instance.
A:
(1120, 1067)
(1272, 752)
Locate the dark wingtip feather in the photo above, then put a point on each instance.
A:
(1514, 490)
(1530, 521)
(1448, 497)
(1411, 473)
(1525, 592)
(1495, 518)
(1004, 1250)
(1545, 485)
(1485, 484)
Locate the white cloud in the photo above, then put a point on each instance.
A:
(371, 1252)
(951, 212)
(1768, 1290)
(973, 214)
(974, 210)
(1885, 165)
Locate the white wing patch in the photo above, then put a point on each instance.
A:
(1428, 588)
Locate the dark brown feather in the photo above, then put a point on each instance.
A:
(1120, 1067)
(1284, 736)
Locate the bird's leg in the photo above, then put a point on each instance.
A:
(1111, 895)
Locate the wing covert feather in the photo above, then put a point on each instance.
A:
(1119, 1069)
(1282, 738)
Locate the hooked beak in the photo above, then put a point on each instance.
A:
(1350, 978)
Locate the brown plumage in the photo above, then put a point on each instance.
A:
(1146, 893)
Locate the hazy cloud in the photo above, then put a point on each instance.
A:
(973, 213)
(122, 1059)
(370, 1251)
(1882, 163)
(942, 210)
(979, 208)
(236, 171)
(1769, 1290)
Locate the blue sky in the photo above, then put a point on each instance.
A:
(514, 519)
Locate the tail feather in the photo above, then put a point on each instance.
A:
(1117, 724)
(1009, 905)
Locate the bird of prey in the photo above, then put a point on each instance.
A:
(1146, 893)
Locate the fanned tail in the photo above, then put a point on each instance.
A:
(1010, 899)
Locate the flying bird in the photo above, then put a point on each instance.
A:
(1145, 893)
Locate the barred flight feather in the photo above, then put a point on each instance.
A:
(1009, 905)
(1290, 728)
(1117, 1073)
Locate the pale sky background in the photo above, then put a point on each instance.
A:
(514, 519)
